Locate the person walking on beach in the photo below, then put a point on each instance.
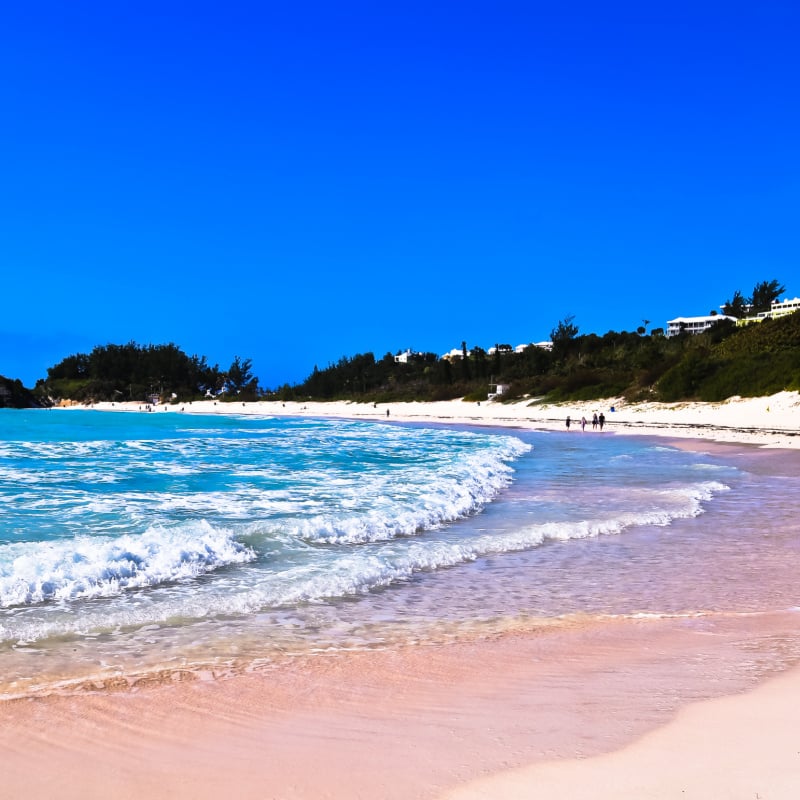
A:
(569, 421)
(583, 423)
(601, 420)
(594, 420)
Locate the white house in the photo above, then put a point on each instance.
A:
(520, 348)
(779, 308)
(455, 353)
(403, 358)
(694, 324)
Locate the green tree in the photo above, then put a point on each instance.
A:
(465, 370)
(563, 336)
(480, 362)
(737, 307)
(240, 377)
(764, 294)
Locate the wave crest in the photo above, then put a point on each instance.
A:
(87, 567)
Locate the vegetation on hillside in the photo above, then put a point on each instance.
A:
(724, 361)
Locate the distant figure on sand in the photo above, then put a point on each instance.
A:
(569, 422)
(594, 420)
(387, 412)
(601, 420)
(583, 423)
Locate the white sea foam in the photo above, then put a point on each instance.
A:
(302, 512)
(91, 566)
(334, 572)
(411, 504)
(364, 570)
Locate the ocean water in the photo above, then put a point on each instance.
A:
(133, 544)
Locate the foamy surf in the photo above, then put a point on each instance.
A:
(194, 525)
(96, 566)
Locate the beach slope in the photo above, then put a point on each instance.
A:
(740, 748)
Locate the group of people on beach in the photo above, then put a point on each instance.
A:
(597, 421)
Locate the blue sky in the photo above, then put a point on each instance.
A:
(295, 182)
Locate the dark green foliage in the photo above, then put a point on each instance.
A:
(239, 381)
(726, 360)
(737, 307)
(14, 395)
(769, 336)
(720, 330)
(134, 372)
(686, 378)
(752, 376)
(763, 295)
(563, 337)
(466, 372)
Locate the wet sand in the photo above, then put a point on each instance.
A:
(409, 722)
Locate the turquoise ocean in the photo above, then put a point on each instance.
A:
(135, 543)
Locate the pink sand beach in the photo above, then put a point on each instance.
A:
(682, 707)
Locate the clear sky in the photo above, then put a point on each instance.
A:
(297, 181)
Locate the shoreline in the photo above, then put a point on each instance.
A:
(619, 709)
(770, 422)
(593, 711)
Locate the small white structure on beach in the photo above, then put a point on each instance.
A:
(496, 390)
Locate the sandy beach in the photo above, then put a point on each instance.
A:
(746, 746)
(649, 709)
(772, 421)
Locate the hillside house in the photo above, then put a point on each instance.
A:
(694, 325)
(779, 308)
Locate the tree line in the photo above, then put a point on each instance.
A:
(726, 360)
(763, 295)
(151, 373)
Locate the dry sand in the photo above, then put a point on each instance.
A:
(739, 748)
(772, 421)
